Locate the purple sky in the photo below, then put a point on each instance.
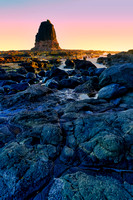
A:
(79, 24)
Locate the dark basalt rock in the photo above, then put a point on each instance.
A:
(72, 72)
(84, 65)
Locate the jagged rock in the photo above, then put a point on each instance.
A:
(46, 38)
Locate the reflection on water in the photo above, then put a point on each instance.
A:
(93, 60)
(70, 94)
(86, 96)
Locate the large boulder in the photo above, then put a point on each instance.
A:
(98, 71)
(69, 83)
(102, 143)
(111, 91)
(84, 64)
(57, 73)
(120, 74)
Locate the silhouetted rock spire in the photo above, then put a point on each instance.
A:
(46, 37)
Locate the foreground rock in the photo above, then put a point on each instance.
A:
(55, 146)
(83, 186)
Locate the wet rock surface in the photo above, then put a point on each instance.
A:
(56, 143)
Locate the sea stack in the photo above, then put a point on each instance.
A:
(46, 38)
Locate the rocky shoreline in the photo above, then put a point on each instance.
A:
(55, 146)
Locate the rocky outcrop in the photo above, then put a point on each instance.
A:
(46, 38)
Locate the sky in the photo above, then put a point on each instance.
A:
(79, 24)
